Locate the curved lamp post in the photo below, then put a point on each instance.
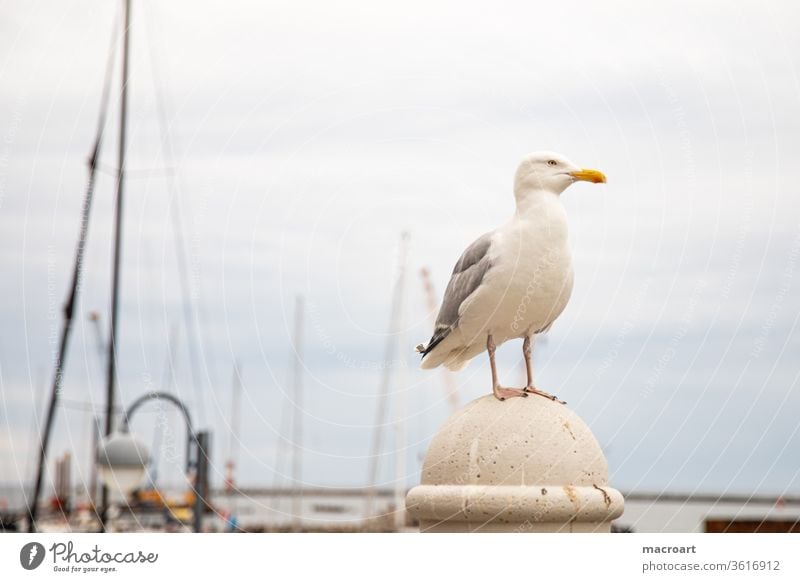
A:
(122, 459)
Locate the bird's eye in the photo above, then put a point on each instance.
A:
(552, 163)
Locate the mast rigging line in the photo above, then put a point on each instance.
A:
(72, 294)
(193, 314)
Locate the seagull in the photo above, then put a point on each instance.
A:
(512, 282)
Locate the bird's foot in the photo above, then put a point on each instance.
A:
(534, 390)
(505, 393)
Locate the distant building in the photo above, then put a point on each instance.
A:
(669, 512)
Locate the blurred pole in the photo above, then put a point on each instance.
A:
(202, 443)
(94, 318)
(112, 336)
(395, 317)
(93, 463)
(400, 422)
(297, 425)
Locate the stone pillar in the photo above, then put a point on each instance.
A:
(523, 465)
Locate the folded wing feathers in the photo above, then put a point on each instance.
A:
(466, 278)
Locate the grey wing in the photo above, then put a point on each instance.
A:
(466, 278)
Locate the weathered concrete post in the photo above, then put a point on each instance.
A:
(524, 465)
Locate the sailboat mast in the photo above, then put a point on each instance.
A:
(297, 425)
(233, 435)
(112, 336)
(395, 318)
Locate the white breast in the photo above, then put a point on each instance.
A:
(530, 281)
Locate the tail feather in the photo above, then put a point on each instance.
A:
(439, 334)
(453, 360)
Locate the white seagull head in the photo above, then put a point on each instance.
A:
(551, 172)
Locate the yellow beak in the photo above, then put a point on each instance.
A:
(593, 176)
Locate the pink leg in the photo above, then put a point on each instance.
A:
(530, 388)
(499, 392)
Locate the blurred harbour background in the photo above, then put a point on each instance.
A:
(278, 150)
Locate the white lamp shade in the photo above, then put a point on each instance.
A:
(122, 461)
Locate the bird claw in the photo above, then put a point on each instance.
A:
(532, 390)
(504, 393)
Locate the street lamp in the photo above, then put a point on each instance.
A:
(122, 459)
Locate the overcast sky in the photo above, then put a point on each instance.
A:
(308, 136)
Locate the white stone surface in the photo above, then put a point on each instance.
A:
(526, 464)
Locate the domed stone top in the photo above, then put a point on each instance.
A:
(523, 465)
(518, 442)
